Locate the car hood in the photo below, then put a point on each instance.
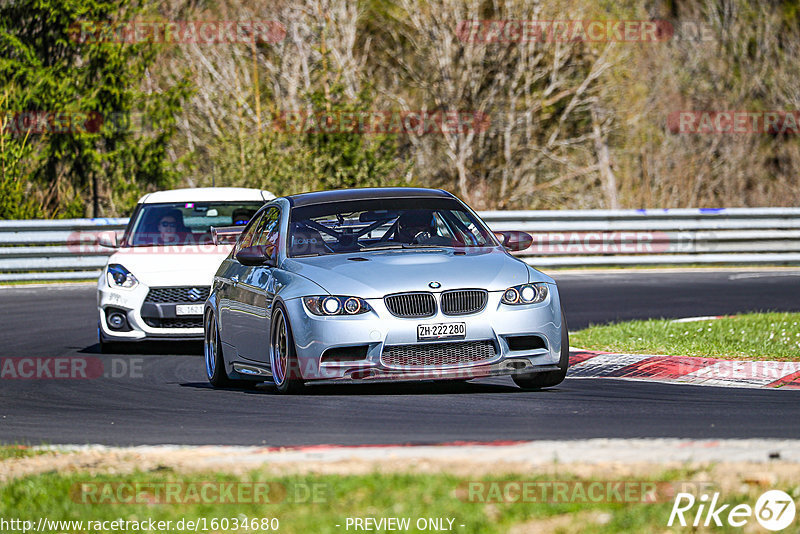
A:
(392, 271)
(189, 265)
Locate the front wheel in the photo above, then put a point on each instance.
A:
(212, 351)
(549, 378)
(283, 356)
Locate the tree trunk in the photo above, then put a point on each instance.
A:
(604, 162)
(96, 208)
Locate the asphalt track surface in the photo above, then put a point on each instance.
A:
(166, 399)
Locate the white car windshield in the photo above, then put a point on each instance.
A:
(185, 223)
(384, 223)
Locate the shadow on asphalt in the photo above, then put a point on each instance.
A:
(195, 348)
(151, 348)
(415, 388)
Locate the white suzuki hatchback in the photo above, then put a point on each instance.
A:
(155, 284)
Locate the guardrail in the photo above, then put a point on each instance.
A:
(578, 238)
(66, 250)
(59, 249)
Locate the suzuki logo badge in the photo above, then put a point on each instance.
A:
(194, 294)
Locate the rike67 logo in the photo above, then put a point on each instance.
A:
(774, 510)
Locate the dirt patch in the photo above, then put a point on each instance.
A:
(735, 476)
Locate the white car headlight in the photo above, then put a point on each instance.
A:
(526, 294)
(328, 305)
(119, 276)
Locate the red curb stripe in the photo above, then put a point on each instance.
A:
(789, 381)
(663, 367)
(581, 356)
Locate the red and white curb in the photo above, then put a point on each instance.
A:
(684, 370)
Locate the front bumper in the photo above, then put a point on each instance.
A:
(370, 334)
(130, 302)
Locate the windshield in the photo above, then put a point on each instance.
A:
(384, 223)
(185, 223)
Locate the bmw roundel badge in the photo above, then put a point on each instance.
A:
(434, 285)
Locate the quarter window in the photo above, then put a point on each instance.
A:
(270, 228)
(254, 228)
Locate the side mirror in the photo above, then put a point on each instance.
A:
(257, 255)
(514, 240)
(225, 235)
(108, 240)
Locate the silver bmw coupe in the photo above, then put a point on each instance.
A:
(387, 284)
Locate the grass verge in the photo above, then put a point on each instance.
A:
(754, 336)
(323, 503)
(18, 451)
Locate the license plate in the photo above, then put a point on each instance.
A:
(441, 330)
(189, 309)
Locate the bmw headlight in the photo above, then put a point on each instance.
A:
(328, 305)
(119, 276)
(525, 294)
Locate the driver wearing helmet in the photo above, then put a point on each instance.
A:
(419, 227)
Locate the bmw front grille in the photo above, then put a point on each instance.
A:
(411, 304)
(421, 304)
(464, 301)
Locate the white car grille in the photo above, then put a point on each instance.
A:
(178, 295)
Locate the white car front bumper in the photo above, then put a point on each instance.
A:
(146, 318)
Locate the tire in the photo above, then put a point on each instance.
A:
(108, 347)
(549, 378)
(212, 354)
(283, 355)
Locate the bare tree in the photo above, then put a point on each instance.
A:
(535, 94)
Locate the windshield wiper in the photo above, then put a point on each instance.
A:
(423, 245)
(381, 246)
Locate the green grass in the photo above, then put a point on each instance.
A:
(57, 497)
(756, 336)
(18, 451)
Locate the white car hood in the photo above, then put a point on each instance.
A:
(186, 265)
